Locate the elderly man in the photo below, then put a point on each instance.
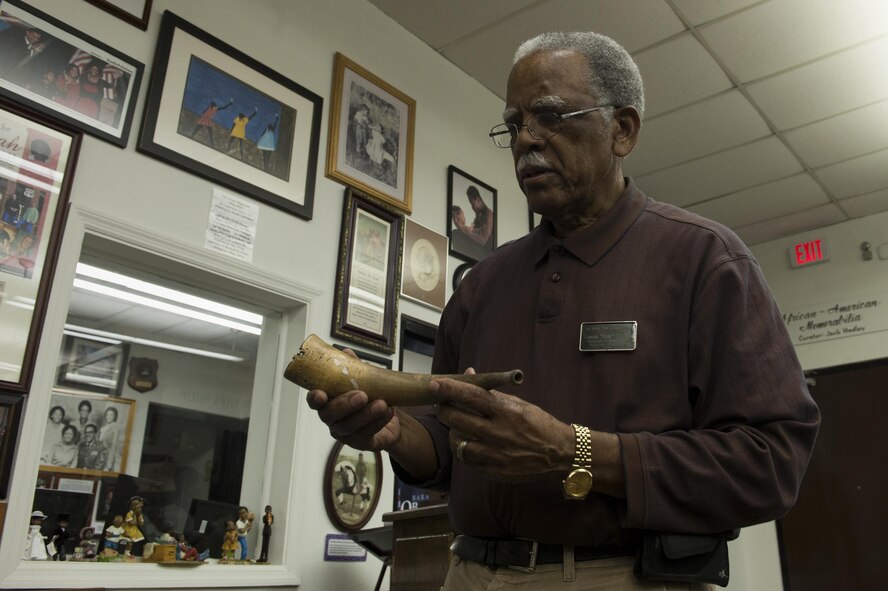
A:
(661, 391)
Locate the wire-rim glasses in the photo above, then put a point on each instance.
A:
(541, 126)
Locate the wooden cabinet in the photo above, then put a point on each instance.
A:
(421, 548)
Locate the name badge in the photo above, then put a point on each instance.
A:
(608, 336)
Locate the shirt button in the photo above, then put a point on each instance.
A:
(556, 277)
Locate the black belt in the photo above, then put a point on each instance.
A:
(525, 555)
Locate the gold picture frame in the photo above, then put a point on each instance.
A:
(370, 142)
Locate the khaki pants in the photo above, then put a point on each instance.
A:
(606, 574)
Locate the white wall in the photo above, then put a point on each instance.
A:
(298, 38)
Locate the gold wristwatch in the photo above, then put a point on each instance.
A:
(578, 483)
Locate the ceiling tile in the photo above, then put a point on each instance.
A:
(863, 205)
(701, 11)
(721, 122)
(633, 23)
(858, 176)
(721, 174)
(677, 73)
(783, 197)
(836, 84)
(439, 23)
(774, 36)
(844, 136)
(825, 215)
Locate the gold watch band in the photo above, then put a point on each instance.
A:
(583, 451)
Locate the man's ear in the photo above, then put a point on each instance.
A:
(626, 125)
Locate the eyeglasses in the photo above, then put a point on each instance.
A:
(541, 126)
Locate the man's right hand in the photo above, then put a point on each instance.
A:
(351, 420)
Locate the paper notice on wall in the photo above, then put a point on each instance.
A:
(231, 229)
(836, 320)
(341, 548)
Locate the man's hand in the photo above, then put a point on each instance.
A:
(509, 440)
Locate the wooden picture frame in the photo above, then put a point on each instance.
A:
(352, 486)
(470, 239)
(85, 413)
(220, 114)
(135, 12)
(375, 360)
(38, 159)
(370, 141)
(11, 406)
(92, 364)
(424, 267)
(368, 276)
(74, 78)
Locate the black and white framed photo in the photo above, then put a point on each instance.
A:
(471, 207)
(424, 267)
(352, 486)
(216, 112)
(370, 144)
(92, 364)
(368, 277)
(61, 72)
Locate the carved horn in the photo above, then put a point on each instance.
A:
(317, 365)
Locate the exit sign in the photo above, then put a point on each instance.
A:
(808, 253)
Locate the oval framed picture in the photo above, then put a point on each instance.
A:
(352, 483)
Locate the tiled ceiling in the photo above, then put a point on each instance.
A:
(768, 116)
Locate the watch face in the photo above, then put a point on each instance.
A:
(578, 483)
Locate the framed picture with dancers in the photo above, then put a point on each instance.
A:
(218, 113)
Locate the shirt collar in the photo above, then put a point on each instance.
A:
(592, 243)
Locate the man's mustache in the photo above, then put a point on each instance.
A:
(530, 160)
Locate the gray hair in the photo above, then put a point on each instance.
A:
(613, 75)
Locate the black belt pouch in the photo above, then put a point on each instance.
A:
(687, 558)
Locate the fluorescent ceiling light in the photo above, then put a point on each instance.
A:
(111, 337)
(168, 294)
(159, 305)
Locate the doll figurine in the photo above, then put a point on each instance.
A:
(35, 547)
(132, 525)
(59, 541)
(244, 525)
(267, 520)
(229, 541)
(113, 535)
(88, 545)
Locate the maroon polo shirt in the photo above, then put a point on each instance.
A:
(714, 418)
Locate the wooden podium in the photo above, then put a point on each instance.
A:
(421, 548)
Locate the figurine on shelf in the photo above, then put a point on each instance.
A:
(88, 546)
(229, 541)
(113, 535)
(59, 540)
(169, 534)
(267, 520)
(244, 525)
(184, 550)
(133, 523)
(35, 548)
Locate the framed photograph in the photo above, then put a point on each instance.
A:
(424, 268)
(218, 113)
(65, 74)
(135, 12)
(352, 483)
(471, 206)
(374, 360)
(370, 144)
(93, 365)
(368, 277)
(10, 415)
(87, 434)
(36, 167)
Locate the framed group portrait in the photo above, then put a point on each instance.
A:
(87, 433)
(352, 486)
(37, 158)
(471, 207)
(370, 143)
(424, 266)
(368, 276)
(92, 364)
(61, 72)
(135, 12)
(216, 112)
